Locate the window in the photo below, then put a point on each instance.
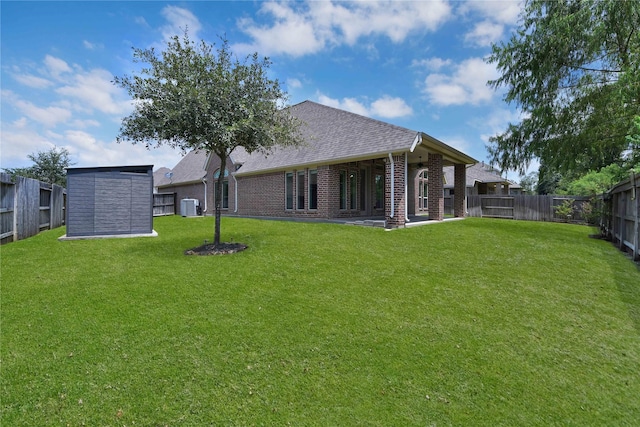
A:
(364, 189)
(300, 190)
(379, 182)
(225, 194)
(353, 188)
(288, 189)
(343, 189)
(423, 190)
(313, 189)
(425, 195)
(225, 188)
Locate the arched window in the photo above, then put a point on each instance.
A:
(216, 174)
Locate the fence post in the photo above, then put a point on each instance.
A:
(15, 212)
(636, 227)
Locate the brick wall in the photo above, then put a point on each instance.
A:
(398, 218)
(436, 187)
(264, 195)
(186, 191)
(460, 185)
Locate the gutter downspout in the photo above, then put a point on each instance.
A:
(406, 188)
(204, 181)
(392, 186)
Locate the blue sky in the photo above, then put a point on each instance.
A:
(416, 64)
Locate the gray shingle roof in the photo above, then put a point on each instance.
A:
(480, 172)
(189, 169)
(159, 177)
(333, 136)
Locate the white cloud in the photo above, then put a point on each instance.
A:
(49, 116)
(496, 122)
(179, 20)
(56, 66)
(291, 33)
(493, 17)
(386, 106)
(95, 90)
(92, 46)
(484, 34)
(432, 64)
(466, 85)
(32, 81)
(459, 143)
(348, 104)
(389, 107)
(89, 151)
(503, 11)
(18, 142)
(305, 28)
(294, 83)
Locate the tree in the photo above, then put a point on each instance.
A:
(573, 69)
(548, 181)
(194, 98)
(49, 166)
(529, 182)
(596, 182)
(633, 156)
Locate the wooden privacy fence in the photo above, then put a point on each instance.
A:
(29, 206)
(620, 220)
(164, 204)
(529, 207)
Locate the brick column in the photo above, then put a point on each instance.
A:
(399, 201)
(436, 187)
(326, 186)
(460, 190)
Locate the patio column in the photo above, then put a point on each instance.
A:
(394, 197)
(460, 191)
(436, 187)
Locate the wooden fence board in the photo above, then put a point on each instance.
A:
(164, 204)
(57, 206)
(28, 206)
(523, 207)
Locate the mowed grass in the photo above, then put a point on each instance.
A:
(474, 322)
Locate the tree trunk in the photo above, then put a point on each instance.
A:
(218, 198)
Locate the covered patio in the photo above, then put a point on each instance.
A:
(404, 186)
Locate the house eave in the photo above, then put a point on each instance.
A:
(173, 184)
(336, 161)
(449, 153)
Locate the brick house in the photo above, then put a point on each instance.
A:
(351, 166)
(481, 179)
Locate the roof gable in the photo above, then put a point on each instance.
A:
(191, 168)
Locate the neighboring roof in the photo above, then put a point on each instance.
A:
(159, 177)
(338, 136)
(480, 172)
(189, 169)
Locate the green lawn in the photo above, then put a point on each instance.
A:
(474, 322)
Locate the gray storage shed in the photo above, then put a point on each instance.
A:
(109, 201)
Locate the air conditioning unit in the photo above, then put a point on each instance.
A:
(188, 207)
